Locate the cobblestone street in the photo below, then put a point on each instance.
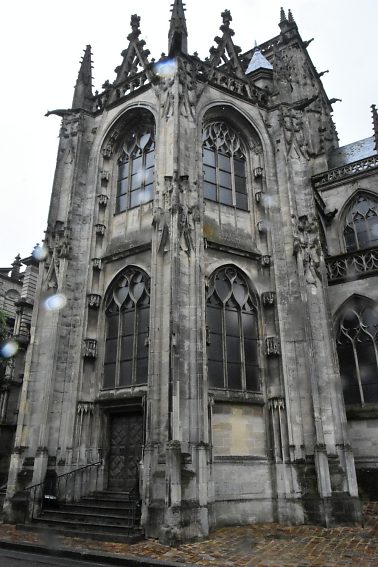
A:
(260, 545)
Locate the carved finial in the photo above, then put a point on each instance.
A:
(178, 33)
(282, 15)
(15, 273)
(290, 16)
(83, 88)
(375, 125)
(135, 23)
(227, 18)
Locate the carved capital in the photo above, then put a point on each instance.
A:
(102, 200)
(85, 407)
(262, 227)
(105, 175)
(272, 346)
(266, 260)
(97, 263)
(258, 171)
(100, 229)
(94, 300)
(276, 404)
(90, 348)
(268, 298)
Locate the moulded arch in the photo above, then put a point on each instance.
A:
(236, 117)
(354, 299)
(356, 335)
(222, 266)
(133, 114)
(347, 207)
(113, 282)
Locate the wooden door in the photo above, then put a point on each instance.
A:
(126, 439)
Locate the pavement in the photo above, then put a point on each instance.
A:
(257, 545)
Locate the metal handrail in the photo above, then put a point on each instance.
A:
(53, 485)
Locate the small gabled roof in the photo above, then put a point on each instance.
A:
(258, 61)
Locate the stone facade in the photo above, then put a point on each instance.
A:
(190, 248)
(17, 292)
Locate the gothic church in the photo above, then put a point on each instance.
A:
(215, 358)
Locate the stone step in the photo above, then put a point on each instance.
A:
(89, 517)
(112, 496)
(127, 536)
(95, 526)
(99, 507)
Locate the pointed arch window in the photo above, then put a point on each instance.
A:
(357, 341)
(136, 168)
(232, 341)
(127, 328)
(224, 166)
(361, 227)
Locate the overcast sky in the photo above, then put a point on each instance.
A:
(41, 44)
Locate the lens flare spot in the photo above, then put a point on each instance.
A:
(40, 253)
(8, 348)
(55, 302)
(165, 69)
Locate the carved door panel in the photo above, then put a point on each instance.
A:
(126, 438)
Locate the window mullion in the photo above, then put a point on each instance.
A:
(358, 373)
(217, 177)
(224, 346)
(118, 352)
(135, 345)
(233, 180)
(242, 351)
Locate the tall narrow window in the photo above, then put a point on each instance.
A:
(232, 332)
(357, 341)
(361, 227)
(224, 166)
(136, 168)
(127, 321)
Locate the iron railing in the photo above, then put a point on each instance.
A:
(67, 487)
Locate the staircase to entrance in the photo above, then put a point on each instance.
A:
(105, 516)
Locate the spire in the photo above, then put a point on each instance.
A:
(178, 34)
(287, 23)
(282, 15)
(83, 87)
(15, 273)
(375, 125)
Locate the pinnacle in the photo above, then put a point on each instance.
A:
(178, 33)
(83, 88)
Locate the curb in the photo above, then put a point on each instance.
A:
(83, 555)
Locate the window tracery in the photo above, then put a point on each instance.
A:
(224, 166)
(361, 226)
(232, 340)
(136, 168)
(127, 328)
(357, 342)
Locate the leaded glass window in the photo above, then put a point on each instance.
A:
(361, 227)
(127, 327)
(224, 166)
(232, 341)
(136, 168)
(357, 341)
